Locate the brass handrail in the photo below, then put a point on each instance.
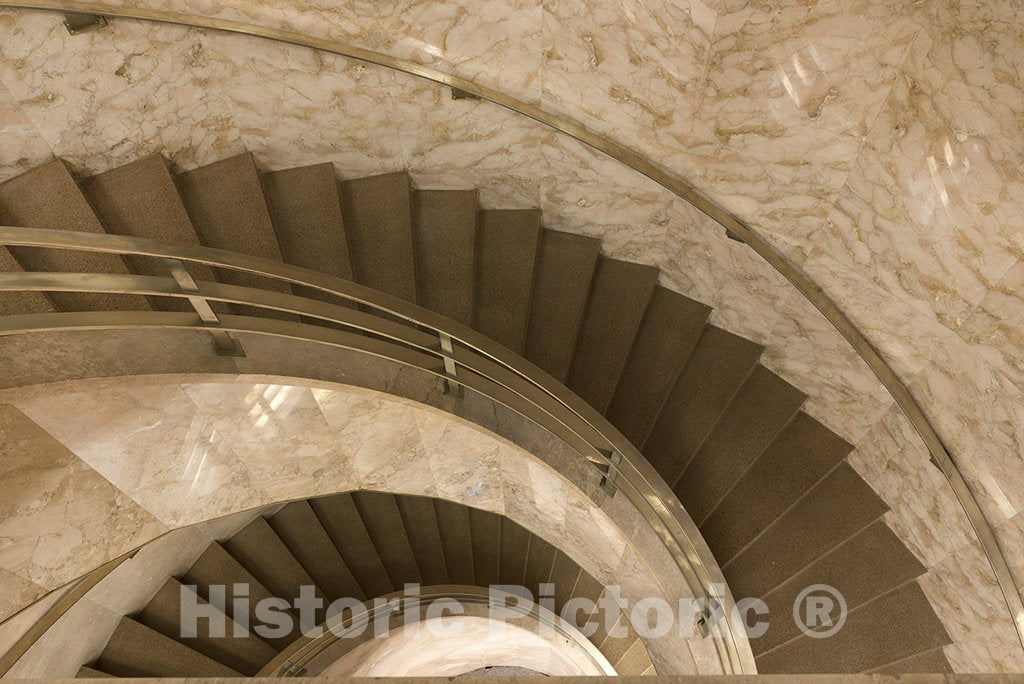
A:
(491, 369)
(675, 184)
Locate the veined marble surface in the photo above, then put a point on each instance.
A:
(878, 142)
(232, 444)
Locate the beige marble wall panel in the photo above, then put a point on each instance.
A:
(15, 593)
(22, 145)
(59, 518)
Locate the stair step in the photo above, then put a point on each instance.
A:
(444, 235)
(298, 527)
(668, 334)
(892, 627)
(383, 521)
(20, 303)
(226, 205)
(48, 197)
(867, 565)
(485, 536)
(933, 661)
(140, 200)
(453, 522)
(260, 551)
(835, 509)
(515, 545)
(340, 518)
(217, 567)
(717, 368)
(89, 673)
(418, 514)
(618, 299)
(506, 254)
(761, 408)
(246, 654)
(539, 561)
(803, 453)
(565, 268)
(378, 223)
(564, 575)
(135, 650)
(635, 661)
(305, 209)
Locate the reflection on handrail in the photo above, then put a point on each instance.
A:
(678, 186)
(489, 369)
(292, 660)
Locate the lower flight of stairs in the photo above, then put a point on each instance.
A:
(358, 545)
(768, 485)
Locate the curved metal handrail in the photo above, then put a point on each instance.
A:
(678, 186)
(493, 371)
(292, 660)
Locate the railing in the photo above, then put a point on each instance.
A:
(733, 226)
(418, 338)
(293, 660)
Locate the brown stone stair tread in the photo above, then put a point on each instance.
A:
(21, 303)
(833, 510)
(444, 236)
(515, 543)
(383, 522)
(867, 565)
(217, 567)
(247, 654)
(565, 572)
(378, 223)
(140, 200)
(618, 299)
(894, 626)
(226, 205)
(456, 540)
(305, 209)
(930, 661)
(86, 672)
(539, 562)
(298, 527)
(761, 408)
(803, 453)
(135, 650)
(635, 661)
(717, 368)
(667, 336)
(48, 197)
(418, 514)
(561, 286)
(485, 539)
(506, 254)
(337, 514)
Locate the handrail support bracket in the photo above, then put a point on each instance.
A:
(451, 384)
(223, 343)
(611, 471)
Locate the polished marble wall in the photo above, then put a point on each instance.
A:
(877, 142)
(235, 443)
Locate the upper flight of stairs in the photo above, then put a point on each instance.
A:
(356, 545)
(768, 485)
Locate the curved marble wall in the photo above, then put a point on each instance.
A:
(877, 142)
(98, 467)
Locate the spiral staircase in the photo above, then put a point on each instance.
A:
(767, 484)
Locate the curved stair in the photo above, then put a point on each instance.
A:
(768, 485)
(356, 545)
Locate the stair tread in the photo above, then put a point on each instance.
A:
(764, 404)
(418, 514)
(619, 297)
(245, 654)
(796, 459)
(226, 205)
(383, 522)
(716, 369)
(894, 626)
(20, 303)
(506, 254)
(444, 236)
(135, 650)
(539, 561)
(867, 565)
(635, 661)
(48, 197)
(85, 672)
(298, 527)
(485, 538)
(260, 551)
(515, 544)
(836, 508)
(563, 274)
(217, 567)
(453, 523)
(377, 213)
(141, 200)
(337, 513)
(933, 661)
(564, 575)
(667, 336)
